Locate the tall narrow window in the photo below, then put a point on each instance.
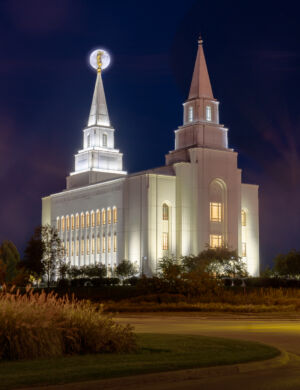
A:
(98, 244)
(82, 220)
(115, 242)
(93, 218)
(98, 217)
(67, 249)
(165, 241)
(58, 224)
(244, 218)
(115, 215)
(77, 221)
(93, 245)
(63, 249)
(88, 140)
(109, 216)
(68, 223)
(72, 222)
(108, 243)
(103, 217)
(103, 244)
(165, 212)
(216, 240)
(82, 246)
(87, 218)
(191, 114)
(77, 247)
(62, 224)
(208, 113)
(104, 140)
(87, 245)
(215, 211)
(72, 248)
(244, 249)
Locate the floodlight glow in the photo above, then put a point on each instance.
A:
(105, 59)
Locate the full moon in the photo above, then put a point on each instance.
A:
(105, 59)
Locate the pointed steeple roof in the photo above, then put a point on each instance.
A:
(200, 86)
(99, 114)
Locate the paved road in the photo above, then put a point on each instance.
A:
(282, 332)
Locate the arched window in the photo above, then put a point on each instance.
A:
(104, 140)
(165, 212)
(93, 245)
(115, 215)
(62, 224)
(216, 211)
(93, 218)
(82, 220)
(87, 218)
(208, 113)
(98, 217)
(77, 221)
(88, 141)
(109, 216)
(103, 217)
(244, 218)
(72, 223)
(191, 114)
(165, 241)
(115, 242)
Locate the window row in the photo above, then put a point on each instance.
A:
(207, 113)
(104, 140)
(216, 213)
(87, 219)
(91, 246)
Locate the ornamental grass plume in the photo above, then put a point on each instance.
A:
(35, 325)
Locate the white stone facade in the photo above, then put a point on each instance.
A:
(196, 199)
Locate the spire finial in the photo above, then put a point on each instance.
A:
(200, 40)
(99, 63)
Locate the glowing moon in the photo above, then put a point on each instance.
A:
(105, 59)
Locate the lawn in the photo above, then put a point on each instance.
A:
(156, 353)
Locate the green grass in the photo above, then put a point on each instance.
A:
(156, 353)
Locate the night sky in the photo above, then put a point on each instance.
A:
(253, 56)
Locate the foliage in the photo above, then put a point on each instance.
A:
(288, 265)
(125, 269)
(170, 268)
(36, 325)
(9, 261)
(33, 254)
(96, 270)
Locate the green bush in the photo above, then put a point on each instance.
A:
(35, 325)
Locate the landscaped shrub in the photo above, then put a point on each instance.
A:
(35, 325)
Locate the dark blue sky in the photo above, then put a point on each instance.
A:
(253, 57)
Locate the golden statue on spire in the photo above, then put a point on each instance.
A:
(99, 61)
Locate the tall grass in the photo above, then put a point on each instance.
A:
(35, 325)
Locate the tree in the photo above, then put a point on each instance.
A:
(170, 268)
(52, 252)
(97, 270)
(33, 254)
(125, 269)
(9, 261)
(288, 265)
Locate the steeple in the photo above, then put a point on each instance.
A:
(99, 114)
(200, 86)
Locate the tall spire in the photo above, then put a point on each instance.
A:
(200, 86)
(99, 114)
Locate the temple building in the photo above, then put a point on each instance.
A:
(196, 199)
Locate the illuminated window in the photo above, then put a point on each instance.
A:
(115, 215)
(68, 223)
(191, 114)
(87, 218)
(98, 217)
(244, 218)
(165, 241)
(63, 224)
(88, 140)
(72, 222)
(165, 212)
(108, 244)
(103, 244)
(72, 248)
(244, 249)
(104, 140)
(77, 247)
(115, 242)
(93, 245)
(215, 212)
(77, 221)
(98, 244)
(87, 246)
(82, 246)
(93, 218)
(216, 240)
(67, 249)
(58, 224)
(63, 248)
(208, 113)
(82, 220)
(103, 217)
(109, 216)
